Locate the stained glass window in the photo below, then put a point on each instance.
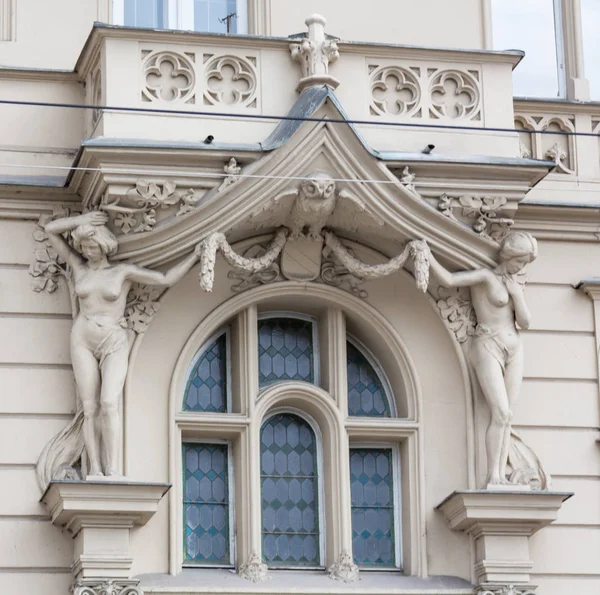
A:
(372, 493)
(207, 384)
(285, 350)
(288, 467)
(206, 504)
(366, 392)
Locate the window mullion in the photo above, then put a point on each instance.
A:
(332, 338)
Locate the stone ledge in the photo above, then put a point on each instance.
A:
(521, 511)
(68, 500)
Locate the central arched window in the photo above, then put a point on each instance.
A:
(289, 492)
(298, 452)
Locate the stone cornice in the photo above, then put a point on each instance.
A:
(558, 106)
(8, 73)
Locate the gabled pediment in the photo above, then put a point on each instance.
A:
(383, 209)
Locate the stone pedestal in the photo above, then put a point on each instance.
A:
(100, 515)
(501, 523)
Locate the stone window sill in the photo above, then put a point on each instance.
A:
(219, 581)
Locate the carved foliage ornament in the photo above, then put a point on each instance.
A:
(344, 569)
(314, 53)
(230, 80)
(108, 587)
(136, 212)
(482, 213)
(504, 590)
(168, 76)
(254, 570)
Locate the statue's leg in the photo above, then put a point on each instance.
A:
(87, 379)
(491, 379)
(114, 372)
(513, 378)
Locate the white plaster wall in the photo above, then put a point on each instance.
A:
(37, 399)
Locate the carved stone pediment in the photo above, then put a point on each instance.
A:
(161, 201)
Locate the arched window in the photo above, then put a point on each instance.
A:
(368, 388)
(208, 382)
(286, 511)
(289, 487)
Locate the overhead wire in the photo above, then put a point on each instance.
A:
(151, 110)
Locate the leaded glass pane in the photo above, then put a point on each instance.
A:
(206, 504)
(372, 493)
(288, 471)
(285, 350)
(366, 394)
(207, 385)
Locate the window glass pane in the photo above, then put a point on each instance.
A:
(206, 504)
(288, 475)
(151, 14)
(372, 493)
(207, 385)
(528, 25)
(211, 16)
(285, 350)
(590, 14)
(366, 395)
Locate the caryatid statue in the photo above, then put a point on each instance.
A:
(100, 343)
(496, 352)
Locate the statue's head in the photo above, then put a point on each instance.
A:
(320, 186)
(517, 249)
(94, 242)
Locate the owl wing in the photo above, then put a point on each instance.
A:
(274, 213)
(351, 213)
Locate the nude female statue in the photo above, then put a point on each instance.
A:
(99, 339)
(496, 351)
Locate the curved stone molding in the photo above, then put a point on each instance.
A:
(96, 95)
(168, 76)
(455, 94)
(254, 569)
(230, 80)
(395, 91)
(344, 569)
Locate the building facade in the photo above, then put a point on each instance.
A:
(296, 305)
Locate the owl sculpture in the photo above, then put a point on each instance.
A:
(316, 204)
(312, 208)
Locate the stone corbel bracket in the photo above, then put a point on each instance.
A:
(100, 516)
(501, 523)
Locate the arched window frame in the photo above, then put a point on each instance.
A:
(379, 370)
(332, 309)
(224, 330)
(230, 494)
(315, 336)
(320, 487)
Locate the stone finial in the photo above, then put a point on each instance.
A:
(314, 53)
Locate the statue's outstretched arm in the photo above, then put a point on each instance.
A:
(168, 279)
(459, 279)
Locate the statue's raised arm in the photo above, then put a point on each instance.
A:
(496, 350)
